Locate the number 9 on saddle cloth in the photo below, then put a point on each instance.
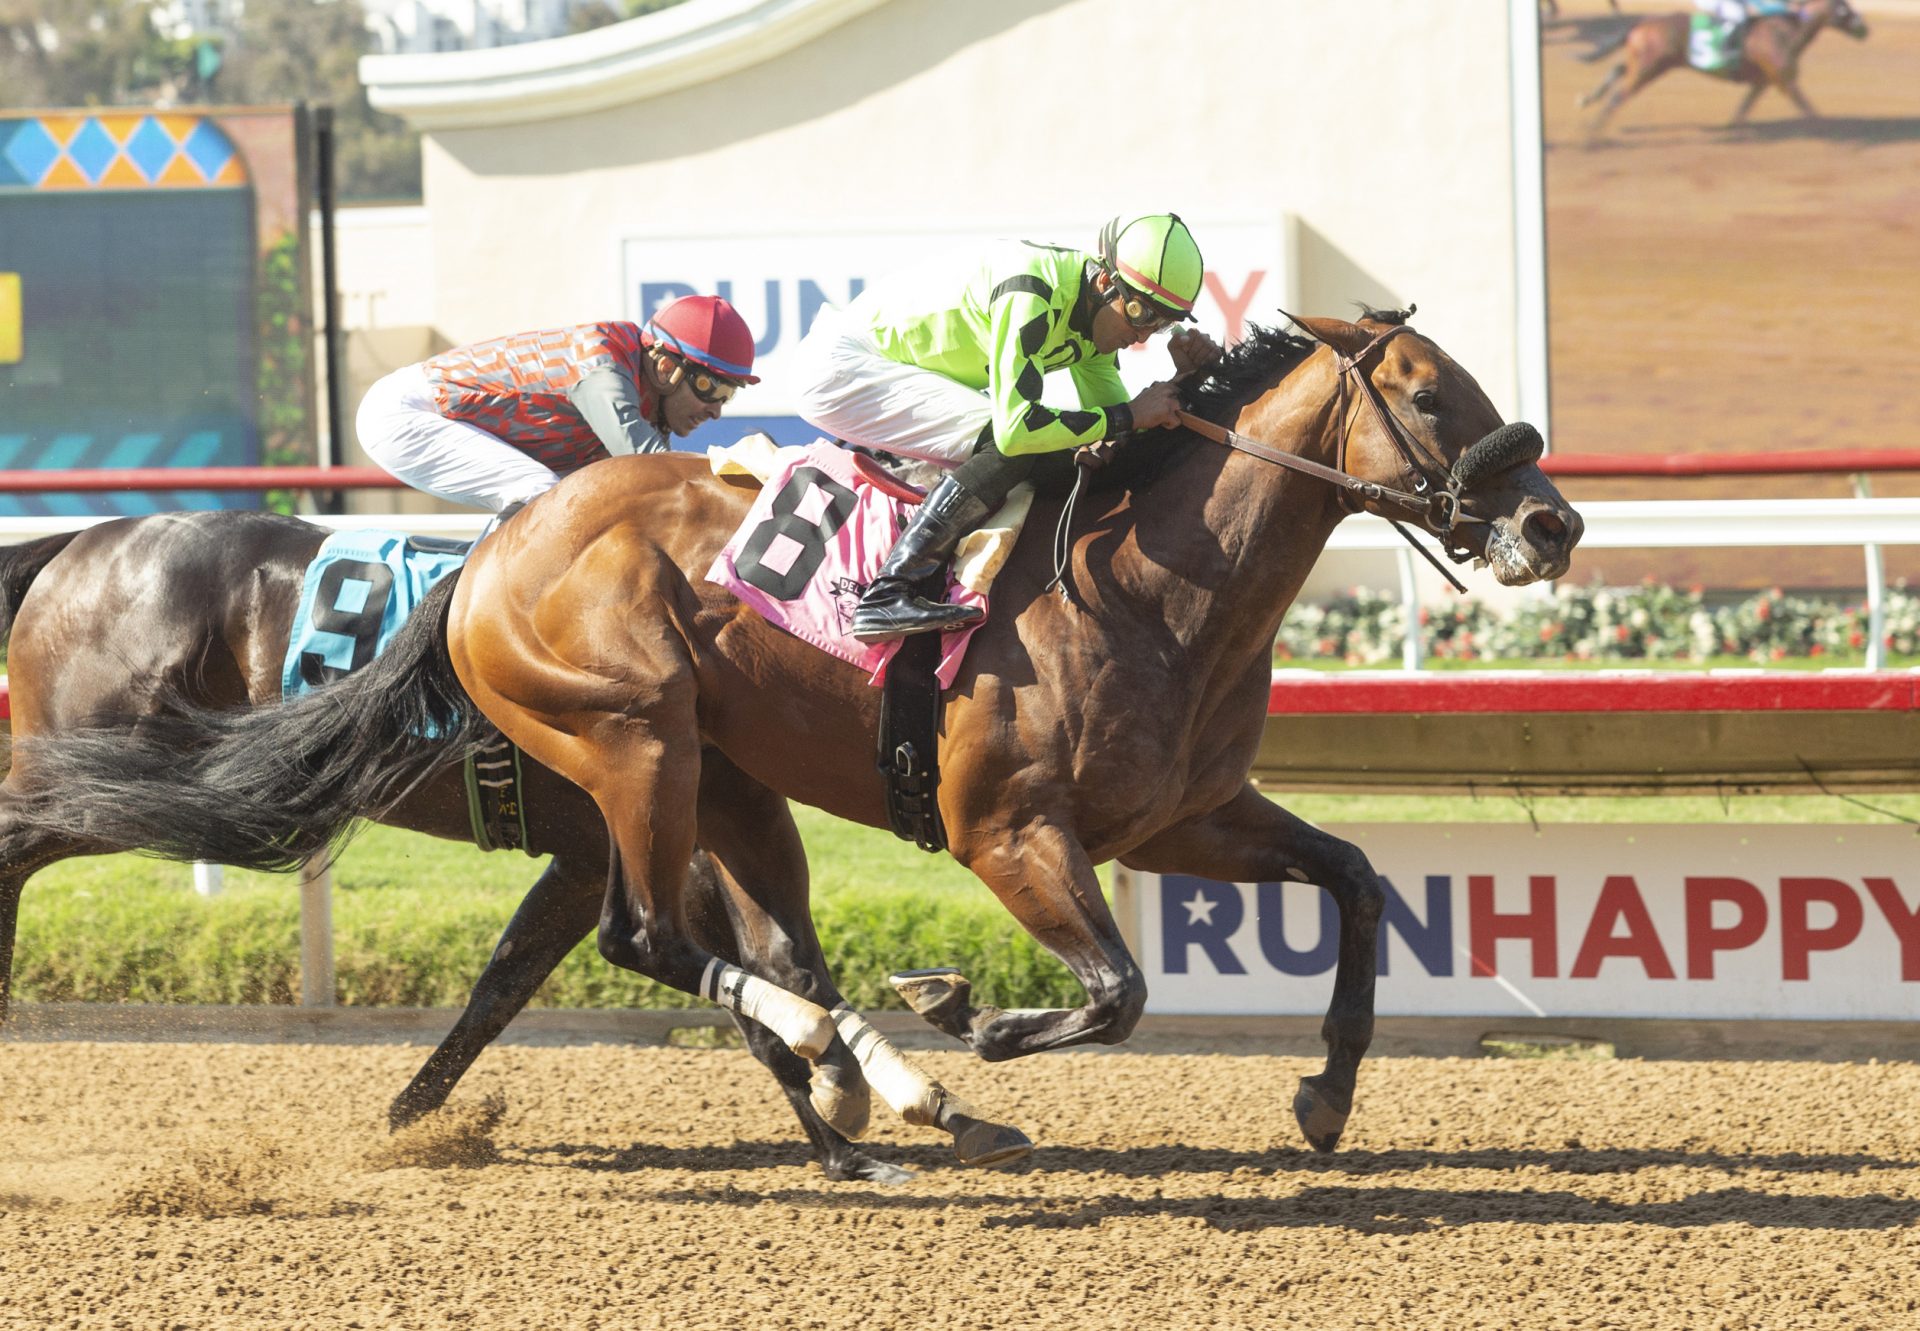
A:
(358, 591)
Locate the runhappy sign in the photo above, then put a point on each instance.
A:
(1498, 920)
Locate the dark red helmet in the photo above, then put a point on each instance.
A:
(706, 330)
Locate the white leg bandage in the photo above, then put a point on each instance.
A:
(911, 1093)
(804, 1027)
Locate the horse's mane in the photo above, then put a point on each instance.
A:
(1249, 368)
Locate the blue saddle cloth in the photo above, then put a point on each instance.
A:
(358, 591)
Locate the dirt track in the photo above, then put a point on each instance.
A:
(1736, 290)
(196, 1186)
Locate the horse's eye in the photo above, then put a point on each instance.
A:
(1427, 400)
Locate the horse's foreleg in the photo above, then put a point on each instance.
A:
(1251, 839)
(1042, 875)
(557, 912)
(1746, 103)
(1791, 87)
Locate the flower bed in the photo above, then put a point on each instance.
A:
(1649, 623)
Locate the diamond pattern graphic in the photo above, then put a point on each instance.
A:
(209, 148)
(30, 150)
(92, 149)
(151, 148)
(62, 150)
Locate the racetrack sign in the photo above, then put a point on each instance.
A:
(1812, 922)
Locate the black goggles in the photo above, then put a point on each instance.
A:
(1140, 312)
(710, 388)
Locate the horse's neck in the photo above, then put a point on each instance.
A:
(1242, 533)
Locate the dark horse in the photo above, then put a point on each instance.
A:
(127, 617)
(1769, 57)
(1117, 722)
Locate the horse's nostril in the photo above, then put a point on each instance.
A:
(1545, 528)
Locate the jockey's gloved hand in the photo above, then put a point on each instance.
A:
(1191, 349)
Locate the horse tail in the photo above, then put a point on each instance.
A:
(261, 787)
(1606, 48)
(19, 566)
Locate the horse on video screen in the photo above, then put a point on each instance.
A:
(120, 620)
(1118, 720)
(1769, 56)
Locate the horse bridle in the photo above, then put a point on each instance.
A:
(1435, 499)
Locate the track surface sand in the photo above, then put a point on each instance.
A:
(149, 1185)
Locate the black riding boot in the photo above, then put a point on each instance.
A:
(892, 606)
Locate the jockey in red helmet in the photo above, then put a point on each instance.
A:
(495, 423)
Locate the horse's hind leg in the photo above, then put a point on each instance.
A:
(1251, 839)
(767, 924)
(1614, 75)
(644, 772)
(23, 853)
(557, 912)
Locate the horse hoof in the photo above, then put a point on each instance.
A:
(1321, 1118)
(813, 1041)
(937, 995)
(846, 1111)
(858, 1166)
(976, 1142)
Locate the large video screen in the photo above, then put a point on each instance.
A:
(1732, 253)
(152, 312)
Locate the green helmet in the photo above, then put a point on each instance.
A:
(1156, 256)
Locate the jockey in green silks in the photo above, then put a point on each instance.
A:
(946, 363)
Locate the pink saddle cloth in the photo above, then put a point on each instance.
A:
(810, 545)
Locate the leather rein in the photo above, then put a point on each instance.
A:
(1436, 499)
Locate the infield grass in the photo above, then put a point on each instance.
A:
(415, 918)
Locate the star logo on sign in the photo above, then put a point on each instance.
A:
(1200, 909)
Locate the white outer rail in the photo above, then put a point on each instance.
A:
(1611, 524)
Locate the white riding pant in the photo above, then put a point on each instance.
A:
(1728, 12)
(401, 428)
(850, 390)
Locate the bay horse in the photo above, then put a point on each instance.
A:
(1769, 56)
(119, 620)
(1119, 721)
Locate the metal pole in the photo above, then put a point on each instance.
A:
(1410, 653)
(207, 879)
(316, 933)
(330, 296)
(1876, 590)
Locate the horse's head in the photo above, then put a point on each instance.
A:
(1841, 15)
(1413, 421)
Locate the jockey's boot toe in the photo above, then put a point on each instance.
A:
(891, 610)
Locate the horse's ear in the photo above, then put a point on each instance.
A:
(1348, 339)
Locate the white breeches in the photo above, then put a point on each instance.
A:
(402, 429)
(854, 393)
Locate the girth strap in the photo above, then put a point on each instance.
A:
(496, 801)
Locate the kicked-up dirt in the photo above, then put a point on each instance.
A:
(230, 1186)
